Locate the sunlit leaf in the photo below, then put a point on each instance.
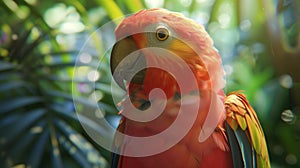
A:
(224, 13)
(73, 151)
(55, 151)
(78, 147)
(112, 9)
(134, 5)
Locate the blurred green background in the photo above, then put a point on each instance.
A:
(258, 40)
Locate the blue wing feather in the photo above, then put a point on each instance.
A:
(115, 160)
(234, 147)
(242, 151)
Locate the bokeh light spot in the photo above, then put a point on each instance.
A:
(278, 150)
(93, 75)
(224, 20)
(51, 16)
(85, 58)
(15, 37)
(286, 81)
(154, 4)
(287, 116)
(71, 27)
(228, 69)
(201, 17)
(36, 130)
(84, 88)
(291, 159)
(245, 25)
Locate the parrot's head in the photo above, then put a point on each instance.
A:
(153, 45)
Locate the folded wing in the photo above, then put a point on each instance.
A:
(245, 135)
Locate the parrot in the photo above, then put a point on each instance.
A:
(161, 49)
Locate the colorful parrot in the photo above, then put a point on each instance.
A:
(237, 139)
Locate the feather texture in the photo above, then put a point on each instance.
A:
(244, 131)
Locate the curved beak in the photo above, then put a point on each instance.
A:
(127, 62)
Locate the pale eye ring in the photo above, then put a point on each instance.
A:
(162, 33)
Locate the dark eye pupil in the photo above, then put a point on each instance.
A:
(161, 35)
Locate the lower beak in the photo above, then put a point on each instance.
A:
(127, 62)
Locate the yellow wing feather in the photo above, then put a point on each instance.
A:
(241, 114)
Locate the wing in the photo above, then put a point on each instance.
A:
(244, 132)
(116, 159)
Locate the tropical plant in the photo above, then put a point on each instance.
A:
(39, 126)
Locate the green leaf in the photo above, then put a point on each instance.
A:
(27, 53)
(107, 88)
(134, 5)
(19, 144)
(112, 9)
(228, 6)
(60, 64)
(73, 151)
(70, 97)
(16, 48)
(243, 73)
(11, 75)
(71, 53)
(106, 107)
(95, 126)
(81, 8)
(55, 151)
(13, 130)
(12, 85)
(6, 66)
(82, 147)
(38, 149)
(19, 102)
(101, 130)
(61, 110)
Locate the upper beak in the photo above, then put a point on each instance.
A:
(127, 62)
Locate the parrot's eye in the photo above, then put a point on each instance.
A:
(162, 33)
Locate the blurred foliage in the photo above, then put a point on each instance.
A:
(40, 42)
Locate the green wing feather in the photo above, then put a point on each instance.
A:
(243, 128)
